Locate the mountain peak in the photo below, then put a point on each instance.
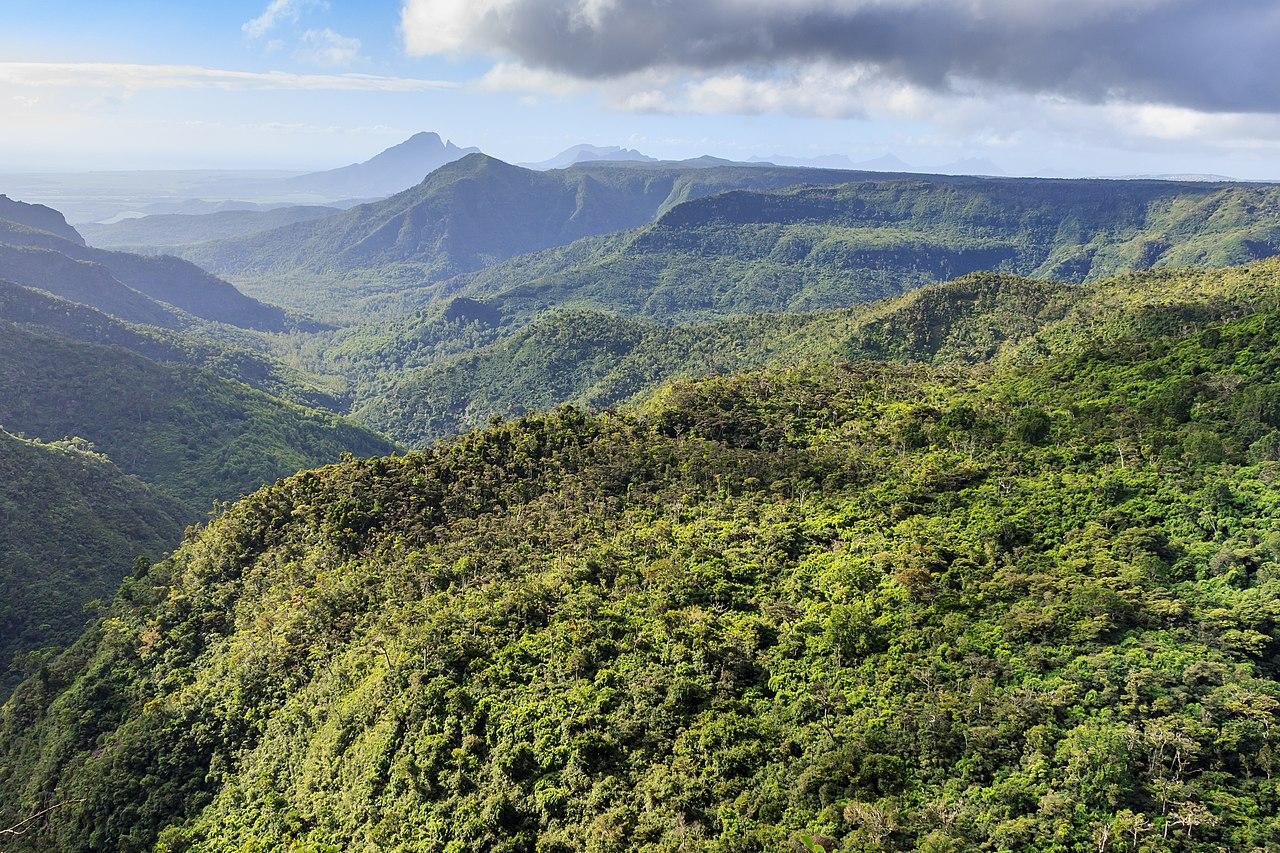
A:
(423, 137)
(393, 170)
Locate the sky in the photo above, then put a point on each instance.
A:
(1050, 87)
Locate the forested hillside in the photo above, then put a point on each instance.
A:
(216, 350)
(90, 521)
(167, 231)
(714, 238)
(601, 360)
(196, 436)
(478, 210)
(164, 291)
(1029, 604)
(459, 368)
(808, 248)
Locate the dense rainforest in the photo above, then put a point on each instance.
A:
(1006, 583)
(91, 522)
(140, 363)
(887, 512)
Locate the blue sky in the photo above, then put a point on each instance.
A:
(141, 84)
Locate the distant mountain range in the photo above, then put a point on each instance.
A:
(589, 154)
(480, 210)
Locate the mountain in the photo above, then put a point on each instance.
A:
(588, 154)
(816, 247)
(37, 217)
(471, 213)
(165, 231)
(883, 163)
(395, 169)
(82, 282)
(184, 430)
(784, 238)
(886, 606)
(92, 522)
(132, 287)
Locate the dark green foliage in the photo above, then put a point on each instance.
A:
(197, 347)
(171, 230)
(1028, 604)
(71, 524)
(162, 291)
(83, 283)
(808, 248)
(466, 215)
(37, 217)
(196, 436)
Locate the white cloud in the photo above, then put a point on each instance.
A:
(136, 77)
(513, 77)
(327, 48)
(277, 12)
(442, 26)
(816, 90)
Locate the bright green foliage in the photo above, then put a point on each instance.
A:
(71, 525)
(601, 360)
(221, 351)
(1030, 604)
(707, 262)
(191, 434)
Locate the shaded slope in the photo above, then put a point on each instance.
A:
(114, 282)
(83, 282)
(198, 437)
(38, 218)
(38, 310)
(72, 524)
(164, 231)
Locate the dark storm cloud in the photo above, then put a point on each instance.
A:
(1218, 56)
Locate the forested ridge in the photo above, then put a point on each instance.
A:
(975, 592)
(90, 522)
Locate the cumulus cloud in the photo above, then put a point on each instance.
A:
(1205, 55)
(278, 12)
(134, 77)
(328, 48)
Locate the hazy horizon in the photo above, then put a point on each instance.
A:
(1074, 90)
